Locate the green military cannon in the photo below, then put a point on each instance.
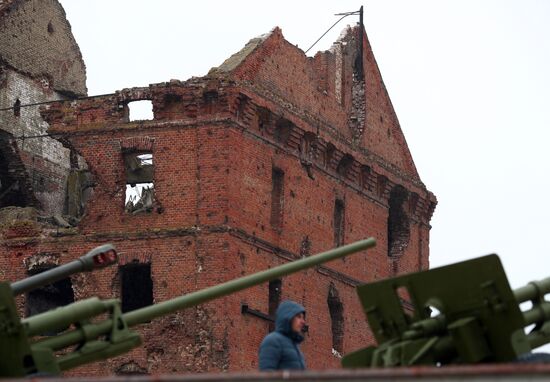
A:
(23, 351)
(464, 313)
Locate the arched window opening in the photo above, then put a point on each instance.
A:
(136, 286)
(365, 177)
(283, 129)
(336, 311)
(277, 198)
(345, 165)
(339, 222)
(328, 155)
(48, 297)
(398, 222)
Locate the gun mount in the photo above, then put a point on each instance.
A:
(24, 352)
(479, 319)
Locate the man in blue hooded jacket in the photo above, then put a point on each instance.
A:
(279, 349)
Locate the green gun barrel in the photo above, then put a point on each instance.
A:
(539, 314)
(533, 290)
(189, 300)
(98, 257)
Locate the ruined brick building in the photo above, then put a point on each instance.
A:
(39, 61)
(270, 157)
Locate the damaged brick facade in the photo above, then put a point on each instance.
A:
(39, 62)
(270, 157)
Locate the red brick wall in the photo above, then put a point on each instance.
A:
(215, 142)
(281, 71)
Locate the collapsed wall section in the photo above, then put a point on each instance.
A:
(45, 163)
(36, 40)
(39, 62)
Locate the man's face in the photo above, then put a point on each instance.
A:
(298, 322)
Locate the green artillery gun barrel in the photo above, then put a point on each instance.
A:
(539, 314)
(98, 257)
(64, 316)
(533, 291)
(192, 299)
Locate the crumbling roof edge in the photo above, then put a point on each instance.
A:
(236, 59)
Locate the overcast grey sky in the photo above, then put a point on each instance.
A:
(469, 80)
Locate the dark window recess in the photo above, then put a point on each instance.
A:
(277, 198)
(308, 148)
(274, 300)
(242, 106)
(336, 311)
(345, 165)
(365, 176)
(209, 100)
(283, 129)
(264, 118)
(49, 296)
(399, 229)
(136, 286)
(17, 108)
(139, 182)
(339, 223)
(328, 155)
(381, 183)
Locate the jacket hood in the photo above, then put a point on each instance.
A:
(285, 312)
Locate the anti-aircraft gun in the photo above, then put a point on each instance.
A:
(23, 351)
(465, 313)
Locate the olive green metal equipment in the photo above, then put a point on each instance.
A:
(463, 313)
(23, 351)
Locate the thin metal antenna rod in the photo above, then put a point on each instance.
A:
(344, 15)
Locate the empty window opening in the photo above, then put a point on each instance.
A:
(48, 297)
(140, 110)
(308, 147)
(381, 183)
(328, 155)
(209, 99)
(50, 28)
(17, 108)
(274, 300)
(336, 311)
(345, 165)
(339, 222)
(283, 129)
(139, 182)
(264, 118)
(136, 286)
(365, 177)
(277, 198)
(242, 106)
(398, 222)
